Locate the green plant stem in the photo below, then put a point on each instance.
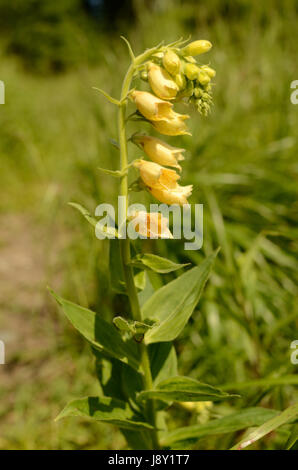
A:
(125, 246)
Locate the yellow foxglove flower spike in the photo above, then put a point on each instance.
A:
(173, 126)
(151, 107)
(156, 176)
(161, 82)
(150, 225)
(159, 151)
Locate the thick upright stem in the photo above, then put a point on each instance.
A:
(125, 248)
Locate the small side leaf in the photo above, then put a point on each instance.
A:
(107, 96)
(105, 409)
(156, 263)
(174, 303)
(184, 389)
(107, 231)
(115, 173)
(99, 333)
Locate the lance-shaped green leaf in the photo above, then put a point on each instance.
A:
(106, 231)
(231, 423)
(173, 304)
(106, 409)
(184, 389)
(163, 361)
(269, 426)
(101, 334)
(156, 263)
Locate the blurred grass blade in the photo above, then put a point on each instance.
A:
(173, 304)
(105, 409)
(269, 426)
(184, 389)
(293, 438)
(156, 263)
(102, 335)
(234, 422)
(266, 382)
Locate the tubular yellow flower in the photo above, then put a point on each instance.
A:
(197, 47)
(156, 176)
(161, 82)
(173, 126)
(151, 225)
(151, 107)
(159, 151)
(171, 62)
(178, 195)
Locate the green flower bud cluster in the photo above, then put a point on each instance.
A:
(192, 78)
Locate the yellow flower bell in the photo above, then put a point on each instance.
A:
(152, 225)
(173, 126)
(156, 176)
(159, 151)
(151, 107)
(178, 195)
(161, 82)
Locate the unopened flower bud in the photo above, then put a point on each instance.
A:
(197, 47)
(180, 80)
(198, 92)
(171, 62)
(203, 78)
(144, 75)
(161, 82)
(210, 71)
(191, 71)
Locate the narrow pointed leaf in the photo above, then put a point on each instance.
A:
(106, 409)
(184, 389)
(102, 335)
(156, 263)
(269, 426)
(115, 173)
(107, 96)
(173, 304)
(107, 231)
(232, 423)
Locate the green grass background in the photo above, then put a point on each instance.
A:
(54, 133)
